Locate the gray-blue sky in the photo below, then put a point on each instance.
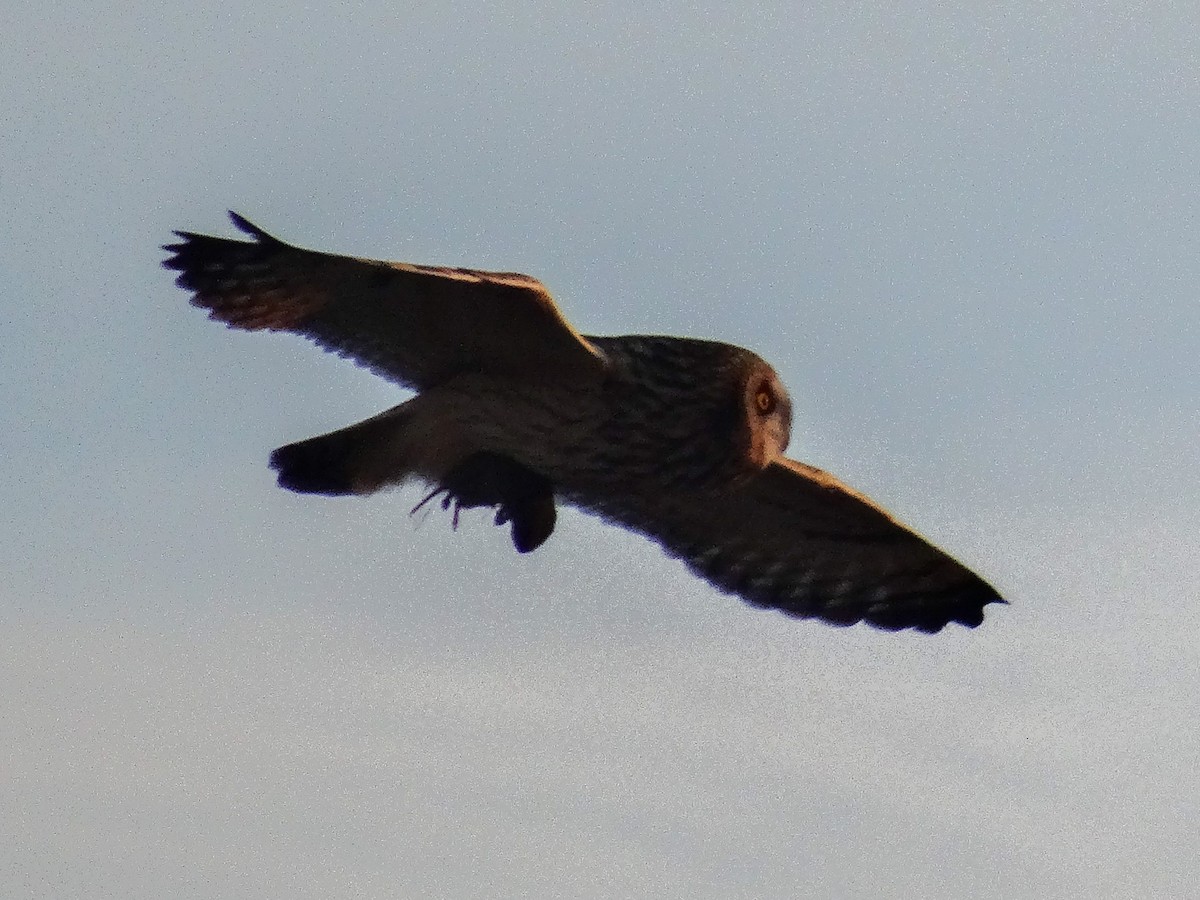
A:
(968, 240)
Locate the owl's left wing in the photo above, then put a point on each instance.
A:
(416, 325)
(796, 539)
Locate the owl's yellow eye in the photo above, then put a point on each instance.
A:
(765, 400)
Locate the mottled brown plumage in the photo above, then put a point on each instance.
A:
(679, 439)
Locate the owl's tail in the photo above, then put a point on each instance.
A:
(395, 445)
(359, 459)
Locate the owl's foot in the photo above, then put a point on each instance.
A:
(522, 497)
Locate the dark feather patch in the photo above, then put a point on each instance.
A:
(320, 465)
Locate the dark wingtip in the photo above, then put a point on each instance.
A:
(174, 261)
(928, 613)
(973, 603)
(245, 226)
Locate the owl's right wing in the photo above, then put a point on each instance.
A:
(415, 325)
(796, 539)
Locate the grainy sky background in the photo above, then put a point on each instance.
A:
(968, 240)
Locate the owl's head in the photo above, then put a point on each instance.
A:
(767, 411)
(715, 410)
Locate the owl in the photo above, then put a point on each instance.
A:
(678, 439)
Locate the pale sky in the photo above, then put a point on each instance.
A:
(969, 241)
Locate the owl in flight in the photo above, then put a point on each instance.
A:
(681, 440)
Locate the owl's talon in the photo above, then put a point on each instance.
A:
(424, 500)
(448, 499)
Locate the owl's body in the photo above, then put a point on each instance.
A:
(588, 438)
(677, 438)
